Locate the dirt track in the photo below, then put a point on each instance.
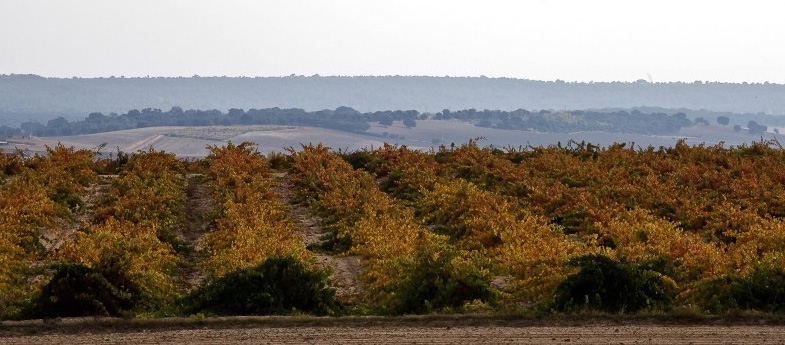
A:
(346, 269)
(410, 332)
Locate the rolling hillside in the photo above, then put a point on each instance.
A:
(192, 141)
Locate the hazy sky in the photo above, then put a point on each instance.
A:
(581, 40)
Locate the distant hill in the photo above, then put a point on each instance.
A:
(30, 97)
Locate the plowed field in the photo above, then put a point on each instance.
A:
(383, 331)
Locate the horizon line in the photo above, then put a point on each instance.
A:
(317, 75)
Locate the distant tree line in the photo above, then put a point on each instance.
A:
(756, 128)
(351, 120)
(31, 94)
(7, 131)
(574, 121)
(343, 118)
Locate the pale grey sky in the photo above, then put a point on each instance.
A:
(572, 40)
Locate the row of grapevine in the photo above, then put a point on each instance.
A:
(41, 192)
(250, 223)
(708, 213)
(519, 243)
(253, 258)
(130, 239)
(686, 225)
(24, 209)
(409, 268)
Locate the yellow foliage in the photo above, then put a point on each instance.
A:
(524, 244)
(24, 209)
(14, 262)
(151, 190)
(639, 236)
(381, 229)
(762, 243)
(151, 262)
(246, 235)
(251, 224)
(535, 253)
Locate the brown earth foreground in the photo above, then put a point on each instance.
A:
(376, 330)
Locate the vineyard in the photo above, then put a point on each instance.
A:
(460, 229)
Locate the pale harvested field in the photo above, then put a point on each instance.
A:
(395, 331)
(452, 131)
(192, 141)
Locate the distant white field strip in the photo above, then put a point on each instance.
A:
(143, 144)
(223, 133)
(192, 141)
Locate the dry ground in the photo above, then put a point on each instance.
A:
(191, 142)
(346, 269)
(420, 330)
(197, 209)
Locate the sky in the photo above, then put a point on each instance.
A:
(571, 40)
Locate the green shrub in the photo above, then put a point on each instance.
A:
(78, 290)
(363, 159)
(276, 286)
(612, 286)
(442, 280)
(279, 161)
(762, 289)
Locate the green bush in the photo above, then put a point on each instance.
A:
(762, 289)
(442, 280)
(78, 290)
(363, 159)
(279, 161)
(612, 286)
(277, 286)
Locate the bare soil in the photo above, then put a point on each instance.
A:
(54, 236)
(423, 330)
(197, 209)
(346, 269)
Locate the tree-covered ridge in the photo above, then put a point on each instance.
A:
(32, 94)
(348, 119)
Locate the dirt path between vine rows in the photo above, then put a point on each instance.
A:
(63, 230)
(346, 269)
(197, 208)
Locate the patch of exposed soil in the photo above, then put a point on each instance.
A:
(346, 269)
(197, 209)
(424, 332)
(346, 272)
(95, 195)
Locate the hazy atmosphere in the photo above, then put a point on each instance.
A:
(515, 72)
(392, 172)
(728, 41)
